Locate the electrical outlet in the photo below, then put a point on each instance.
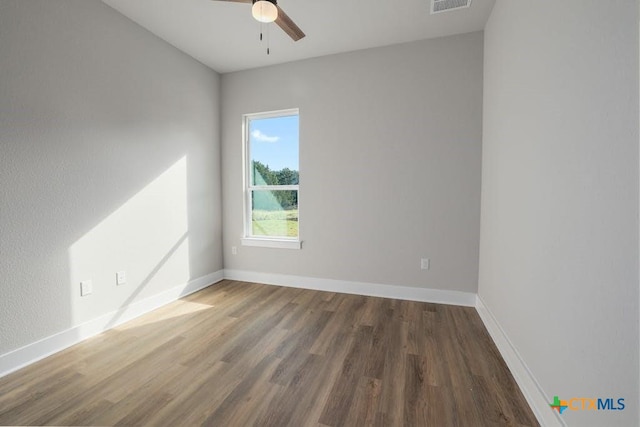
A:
(234, 250)
(86, 288)
(121, 277)
(424, 263)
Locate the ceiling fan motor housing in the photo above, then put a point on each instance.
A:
(270, 1)
(264, 10)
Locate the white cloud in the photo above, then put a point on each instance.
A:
(259, 136)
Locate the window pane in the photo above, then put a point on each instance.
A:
(273, 145)
(274, 213)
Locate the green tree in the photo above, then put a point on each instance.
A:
(287, 176)
(262, 175)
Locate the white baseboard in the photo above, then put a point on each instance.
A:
(33, 352)
(531, 389)
(359, 288)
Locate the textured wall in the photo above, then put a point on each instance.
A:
(559, 234)
(390, 148)
(109, 160)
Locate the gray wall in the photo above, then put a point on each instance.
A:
(109, 160)
(559, 233)
(390, 150)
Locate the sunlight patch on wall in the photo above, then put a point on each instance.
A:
(147, 237)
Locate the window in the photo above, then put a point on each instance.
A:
(271, 179)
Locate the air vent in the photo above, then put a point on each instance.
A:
(438, 6)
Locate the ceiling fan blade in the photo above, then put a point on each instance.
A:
(288, 26)
(236, 1)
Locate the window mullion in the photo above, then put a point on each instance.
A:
(273, 187)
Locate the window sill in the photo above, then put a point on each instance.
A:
(271, 243)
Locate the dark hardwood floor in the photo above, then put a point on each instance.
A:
(240, 354)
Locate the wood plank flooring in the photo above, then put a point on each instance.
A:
(241, 354)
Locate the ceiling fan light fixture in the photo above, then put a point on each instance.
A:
(264, 11)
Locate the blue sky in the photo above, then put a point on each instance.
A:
(274, 142)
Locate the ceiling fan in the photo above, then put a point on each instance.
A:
(269, 11)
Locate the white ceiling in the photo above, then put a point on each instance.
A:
(224, 36)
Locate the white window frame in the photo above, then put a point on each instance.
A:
(248, 238)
